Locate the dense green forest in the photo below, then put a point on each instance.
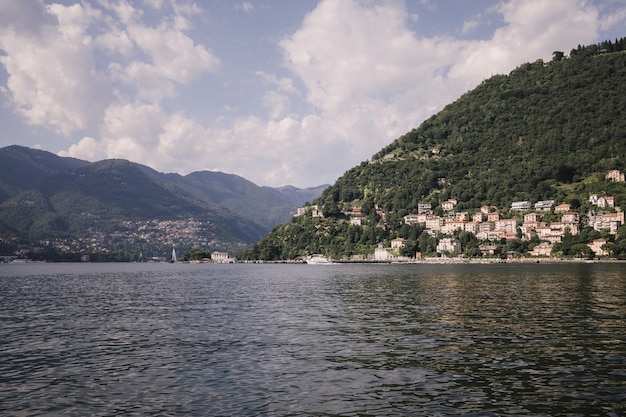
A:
(548, 130)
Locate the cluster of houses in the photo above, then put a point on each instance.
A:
(489, 225)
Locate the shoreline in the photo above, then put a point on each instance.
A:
(456, 261)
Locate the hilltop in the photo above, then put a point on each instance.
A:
(548, 131)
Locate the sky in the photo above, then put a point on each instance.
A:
(280, 92)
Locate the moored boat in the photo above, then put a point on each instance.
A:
(318, 260)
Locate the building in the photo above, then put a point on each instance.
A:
(449, 245)
(316, 211)
(615, 175)
(398, 243)
(562, 227)
(507, 225)
(382, 254)
(549, 233)
(451, 226)
(563, 207)
(606, 201)
(533, 217)
(528, 229)
(596, 247)
(413, 219)
(221, 257)
(608, 221)
(449, 204)
(544, 205)
(357, 221)
(488, 250)
(434, 223)
(493, 216)
(471, 227)
(462, 216)
(424, 207)
(542, 249)
(570, 217)
(486, 226)
(521, 205)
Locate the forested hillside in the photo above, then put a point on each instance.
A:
(547, 131)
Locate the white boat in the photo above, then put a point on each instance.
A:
(173, 255)
(318, 260)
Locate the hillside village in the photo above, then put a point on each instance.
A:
(133, 236)
(544, 222)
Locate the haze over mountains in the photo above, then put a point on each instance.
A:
(66, 204)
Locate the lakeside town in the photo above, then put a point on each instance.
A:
(545, 221)
(151, 240)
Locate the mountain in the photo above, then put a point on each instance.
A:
(259, 204)
(299, 196)
(21, 168)
(265, 206)
(118, 205)
(546, 131)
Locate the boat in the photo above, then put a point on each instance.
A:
(173, 255)
(318, 260)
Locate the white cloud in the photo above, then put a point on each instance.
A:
(173, 54)
(245, 7)
(469, 26)
(284, 84)
(275, 103)
(125, 12)
(155, 4)
(50, 57)
(613, 19)
(371, 86)
(105, 72)
(365, 87)
(143, 133)
(52, 78)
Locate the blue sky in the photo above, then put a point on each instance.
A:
(277, 91)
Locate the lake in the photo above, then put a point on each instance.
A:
(298, 340)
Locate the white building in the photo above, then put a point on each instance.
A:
(356, 221)
(414, 218)
(615, 175)
(448, 204)
(521, 205)
(382, 254)
(545, 205)
(424, 207)
(221, 257)
(316, 211)
(449, 245)
(398, 243)
(451, 226)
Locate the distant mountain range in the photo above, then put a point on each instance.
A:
(49, 202)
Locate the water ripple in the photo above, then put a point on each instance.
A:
(287, 340)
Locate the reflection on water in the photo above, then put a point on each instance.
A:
(253, 340)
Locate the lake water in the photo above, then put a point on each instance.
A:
(298, 340)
